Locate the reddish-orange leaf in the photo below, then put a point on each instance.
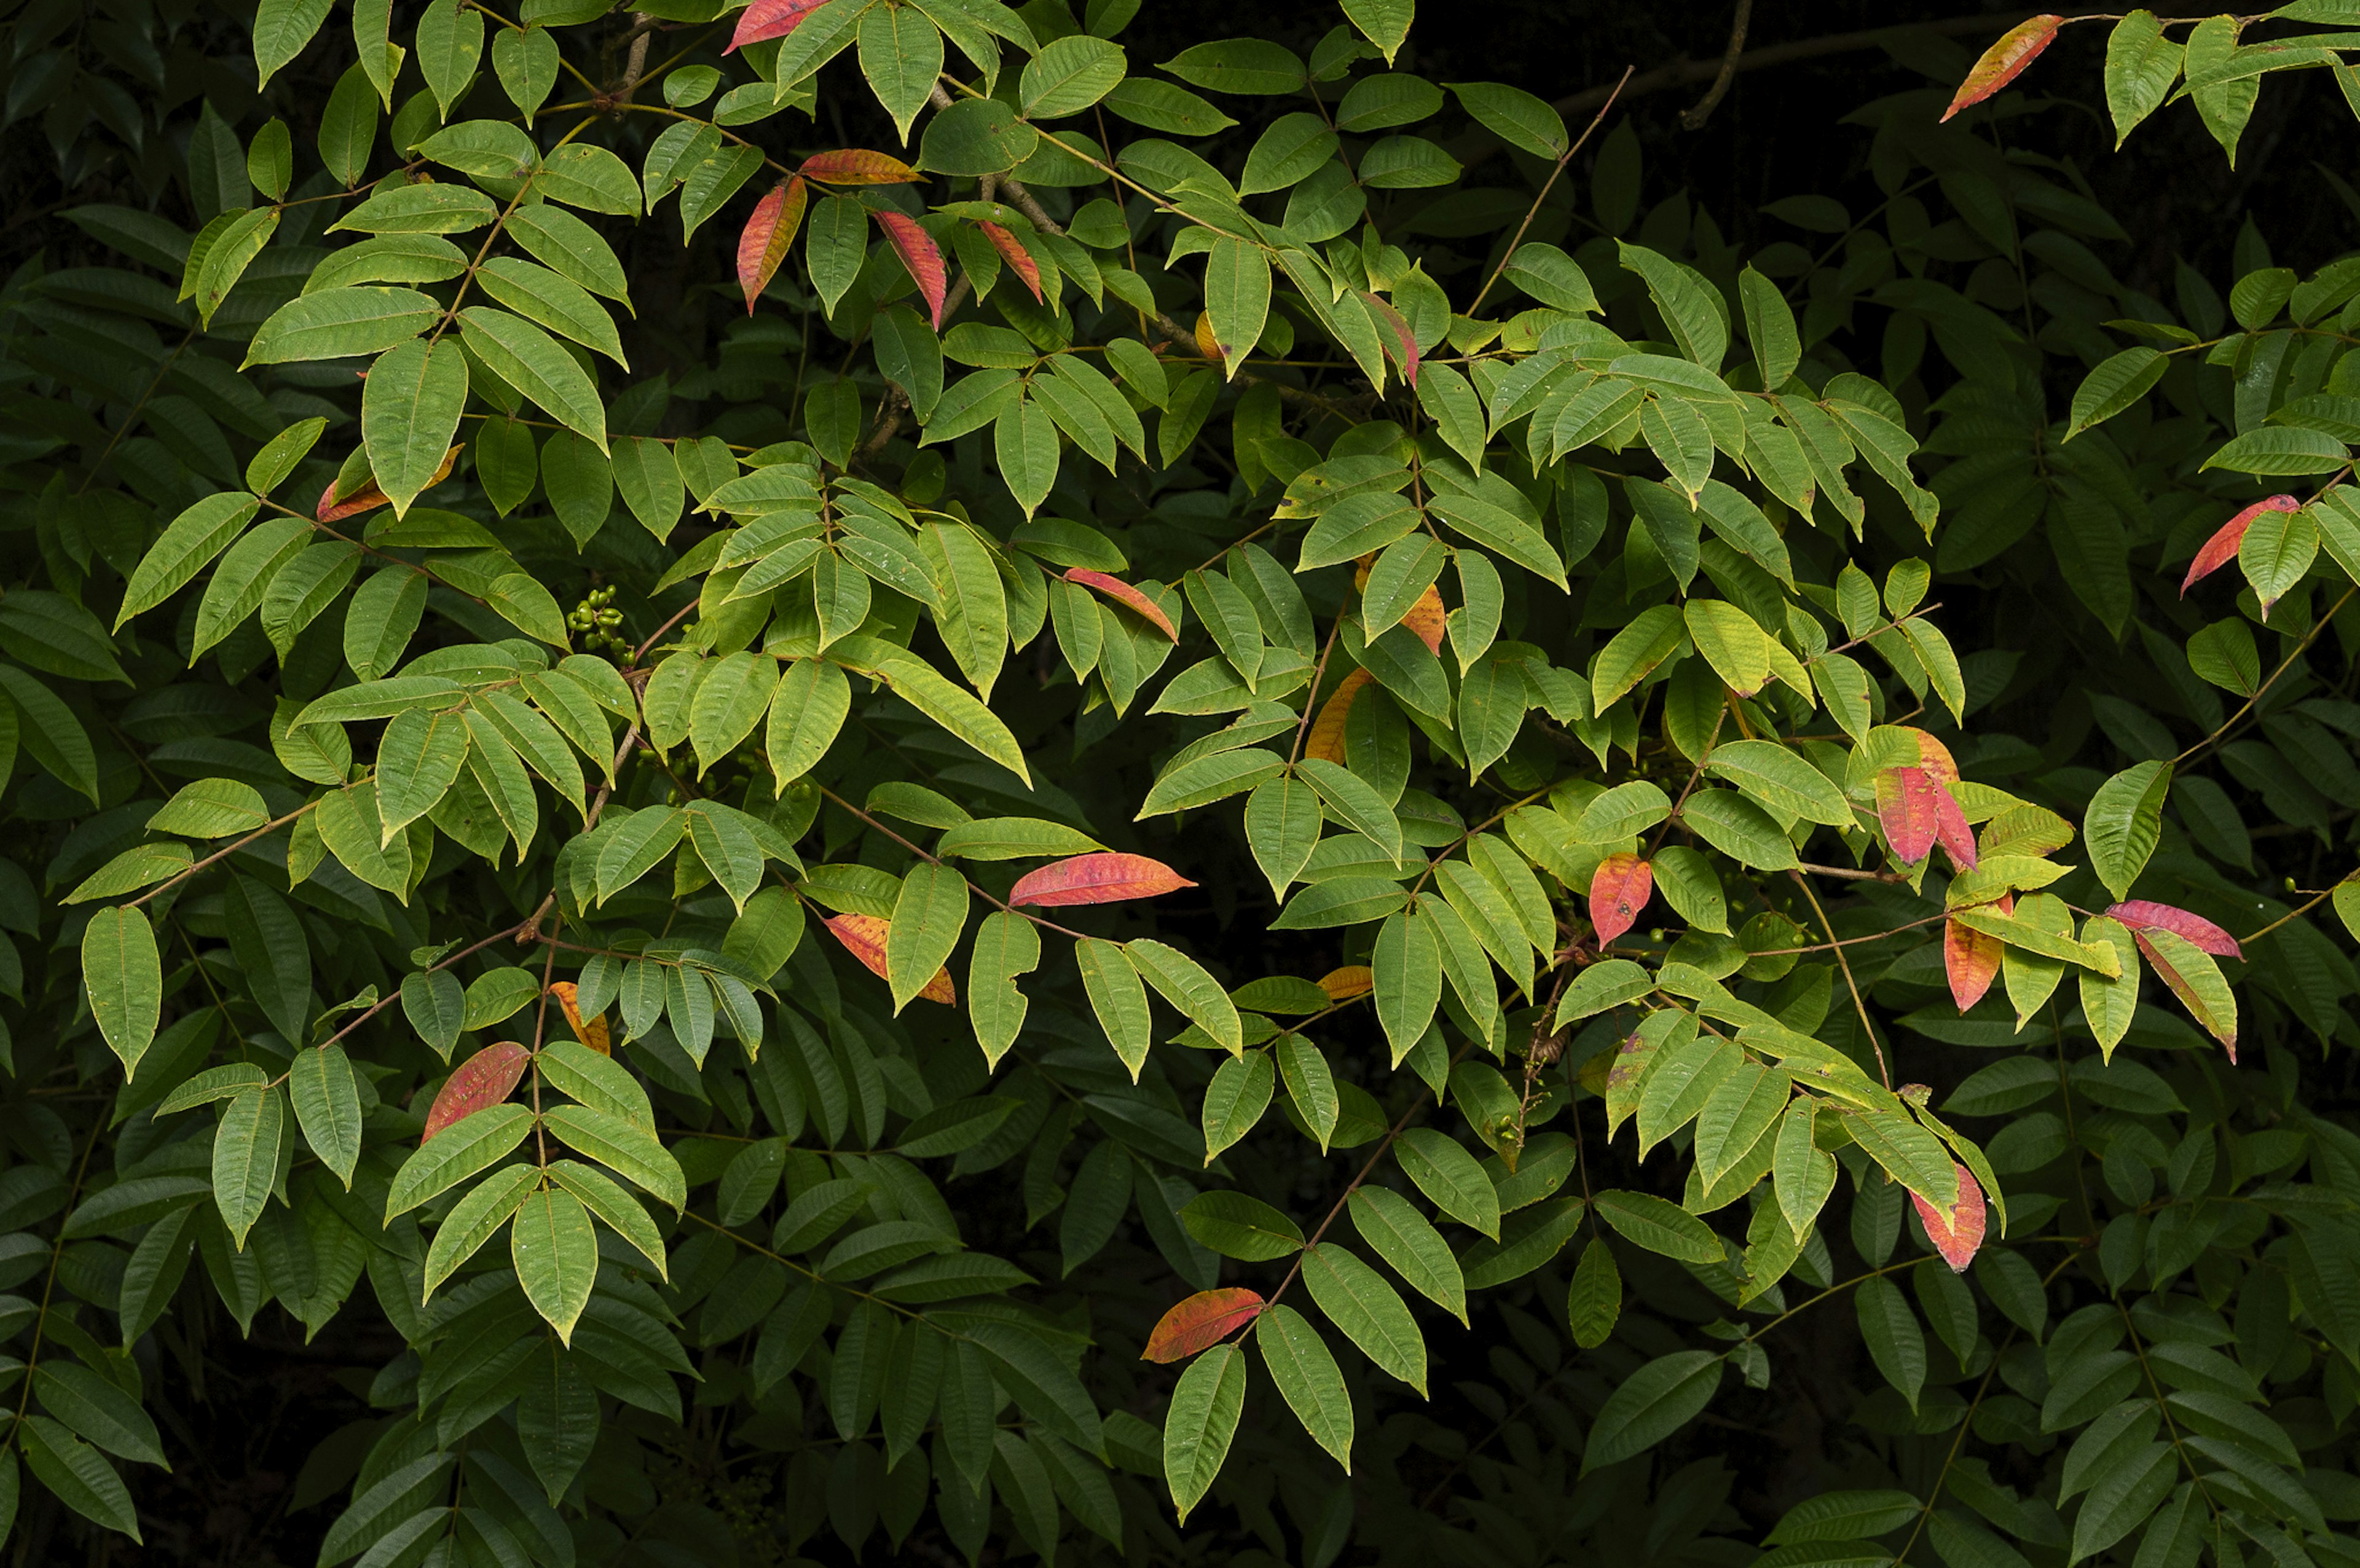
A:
(2222, 548)
(1905, 808)
(591, 1032)
(1103, 879)
(1426, 619)
(1960, 1240)
(1618, 889)
(2188, 998)
(481, 1082)
(2144, 912)
(858, 166)
(1403, 346)
(864, 937)
(768, 235)
(924, 259)
(1326, 741)
(766, 19)
(1951, 829)
(1352, 980)
(1011, 251)
(1122, 593)
(1200, 1323)
(1971, 959)
(368, 498)
(2004, 61)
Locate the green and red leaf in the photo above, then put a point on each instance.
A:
(2004, 61)
(1200, 1323)
(2144, 914)
(857, 166)
(1123, 594)
(1971, 959)
(2222, 548)
(481, 1082)
(1103, 879)
(864, 937)
(1960, 1240)
(767, 19)
(921, 256)
(1011, 251)
(769, 234)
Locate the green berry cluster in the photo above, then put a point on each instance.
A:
(597, 619)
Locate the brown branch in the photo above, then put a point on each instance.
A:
(1695, 118)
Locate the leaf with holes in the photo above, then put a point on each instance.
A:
(1618, 889)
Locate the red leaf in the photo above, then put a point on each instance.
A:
(768, 235)
(2222, 548)
(368, 498)
(483, 1081)
(591, 1032)
(2143, 912)
(864, 937)
(1103, 879)
(1200, 1323)
(858, 166)
(1326, 741)
(1951, 829)
(1115, 588)
(1906, 808)
(766, 19)
(2004, 61)
(1618, 889)
(1404, 345)
(1971, 959)
(1425, 619)
(922, 256)
(1958, 1241)
(1011, 251)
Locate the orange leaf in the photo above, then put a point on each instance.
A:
(1326, 739)
(924, 259)
(1971, 960)
(1352, 980)
(1403, 347)
(1618, 889)
(2004, 61)
(483, 1081)
(766, 19)
(592, 1033)
(2222, 548)
(1011, 251)
(1905, 808)
(368, 498)
(1200, 1323)
(2144, 912)
(1958, 1241)
(858, 166)
(1951, 829)
(864, 937)
(1115, 588)
(1206, 343)
(768, 235)
(1425, 618)
(1102, 878)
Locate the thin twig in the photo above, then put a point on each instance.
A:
(1695, 118)
(1546, 186)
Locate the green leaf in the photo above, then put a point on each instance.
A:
(1895, 1343)
(530, 360)
(187, 544)
(556, 1257)
(1781, 781)
(1410, 1244)
(1117, 998)
(1357, 1300)
(1306, 1372)
(1069, 75)
(1237, 298)
(2115, 385)
(1661, 1226)
(338, 323)
(1650, 1405)
(807, 713)
(1235, 1100)
(924, 689)
(467, 1146)
(1515, 116)
(928, 918)
(621, 1213)
(77, 1475)
(2125, 822)
(2141, 66)
(474, 1219)
(1006, 945)
(1236, 1225)
(1310, 1085)
(1201, 1423)
(1282, 826)
(124, 974)
(97, 1409)
(1595, 1303)
(327, 1094)
(1450, 1177)
(1183, 982)
(631, 1152)
(246, 1158)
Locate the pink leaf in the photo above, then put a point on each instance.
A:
(858, 166)
(1951, 829)
(1618, 889)
(766, 19)
(1200, 1323)
(2141, 912)
(921, 256)
(2222, 548)
(2004, 61)
(1115, 588)
(1103, 879)
(1011, 251)
(768, 235)
(1958, 1241)
(481, 1082)
(1905, 808)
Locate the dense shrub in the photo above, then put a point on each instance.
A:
(1046, 888)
